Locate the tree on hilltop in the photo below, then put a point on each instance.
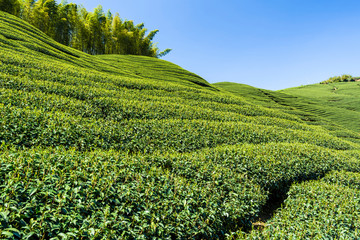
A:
(91, 32)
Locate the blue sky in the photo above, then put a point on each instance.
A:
(271, 44)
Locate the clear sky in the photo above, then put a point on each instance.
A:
(271, 44)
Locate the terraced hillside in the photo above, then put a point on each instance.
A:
(333, 106)
(340, 101)
(129, 147)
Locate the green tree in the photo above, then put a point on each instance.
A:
(97, 22)
(91, 32)
(118, 39)
(27, 13)
(45, 16)
(10, 6)
(66, 24)
(81, 38)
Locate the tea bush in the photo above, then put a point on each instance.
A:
(315, 210)
(49, 193)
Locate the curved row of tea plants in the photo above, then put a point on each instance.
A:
(118, 109)
(274, 166)
(26, 127)
(47, 193)
(207, 194)
(315, 210)
(81, 85)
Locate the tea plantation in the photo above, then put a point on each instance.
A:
(133, 147)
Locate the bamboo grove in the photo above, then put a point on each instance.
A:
(91, 32)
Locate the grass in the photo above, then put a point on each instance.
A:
(107, 147)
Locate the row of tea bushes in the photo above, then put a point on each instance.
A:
(55, 193)
(24, 127)
(343, 178)
(201, 195)
(38, 66)
(115, 95)
(274, 166)
(118, 109)
(128, 103)
(315, 210)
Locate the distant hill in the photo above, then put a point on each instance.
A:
(334, 106)
(131, 147)
(336, 102)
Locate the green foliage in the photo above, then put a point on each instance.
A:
(90, 32)
(34, 127)
(128, 147)
(274, 166)
(315, 210)
(318, 104)
(343, 178)
(340, 106)
(107, 194)
(10, 6)
(342, 78)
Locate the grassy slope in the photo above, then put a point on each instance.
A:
(318, 104)
(339, 101)
(107, 146)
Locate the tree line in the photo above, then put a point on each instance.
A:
(342, 78)
(91, 32)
